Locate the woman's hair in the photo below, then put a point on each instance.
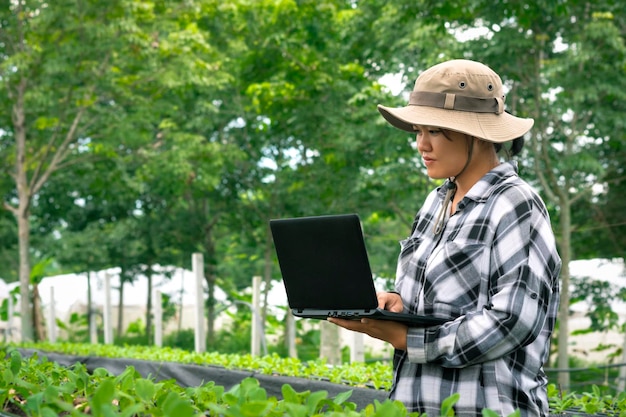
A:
(516, 146)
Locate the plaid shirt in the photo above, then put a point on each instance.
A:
(493, 271)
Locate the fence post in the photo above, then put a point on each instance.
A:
(158, 319)
(291, 335)
(91, 312)
(357, 353)
(621, 385)
(108, 327)
(255, 343)
(197, 262)
(52, 320)
(8, 335)
(330, 346)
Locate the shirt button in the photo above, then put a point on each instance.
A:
(533, 296)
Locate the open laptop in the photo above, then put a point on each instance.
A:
(326, 271)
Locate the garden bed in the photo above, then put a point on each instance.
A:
(189, 375)
(273, 385)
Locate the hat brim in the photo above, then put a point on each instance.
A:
(492, 127)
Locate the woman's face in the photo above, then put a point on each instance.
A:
(444, 154)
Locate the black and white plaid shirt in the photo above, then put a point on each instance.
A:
(493, 271)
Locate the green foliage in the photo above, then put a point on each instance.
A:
(377, 375)
(39, 270)
(594, 402)
(234, 337)
(76, 329)
(34, 386)
(308, 345)
(136, 327)
(37, 387)
(599, 295)
(168, 308)
(586, 375)
(181, 339)
(162, 129)
(127, 339)
(4, 305)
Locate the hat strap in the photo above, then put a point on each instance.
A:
(440, 221)
(451, 101)
(450, 190)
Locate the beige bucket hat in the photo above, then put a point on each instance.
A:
(461, 95)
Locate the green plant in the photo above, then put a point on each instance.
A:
(308, 345)
(135, 335)
(37, 387)
(181, 339)
(586, 375)
(76, 329)
(376, 375)
(560, 401)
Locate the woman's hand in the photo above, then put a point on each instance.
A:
(391, 332)
(390, 301)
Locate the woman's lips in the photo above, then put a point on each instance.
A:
(427, 160)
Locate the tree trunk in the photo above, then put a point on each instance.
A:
(149, 305)
(26, 319)
(563, 336)
(559, 196)
(120, 307)
(210, 306)
(210, 277)
(267, 274)
(181, 307)
(621, 384)
(38, 319)
(22, 213)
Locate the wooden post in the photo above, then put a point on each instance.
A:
(197, 262)
(158, 319)
(108, 326)
(10, 331)
(255, 343)
(91, 313)
(330, 347)
(621, 384)
(357, 352)
(291, 335)
(52, 320)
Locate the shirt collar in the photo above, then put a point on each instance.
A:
(481, 191)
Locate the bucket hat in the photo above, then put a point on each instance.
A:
(461, 95)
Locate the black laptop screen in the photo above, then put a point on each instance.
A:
(323, 261)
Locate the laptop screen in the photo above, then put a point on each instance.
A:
(324, 263)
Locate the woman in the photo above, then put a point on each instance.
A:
(481, 253)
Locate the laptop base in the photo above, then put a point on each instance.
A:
(411, 320)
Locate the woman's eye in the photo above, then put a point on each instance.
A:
(431, 132)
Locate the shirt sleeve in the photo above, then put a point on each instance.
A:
(523, 269)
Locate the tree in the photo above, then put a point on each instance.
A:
(82, 79)
(54, 67)
(568, 154)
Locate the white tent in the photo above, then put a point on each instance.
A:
(614, 272)
(4, 289)
(70, 294)
(71, 289)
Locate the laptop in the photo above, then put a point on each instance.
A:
(326, 271)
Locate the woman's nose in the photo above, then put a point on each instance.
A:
(422, 141)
